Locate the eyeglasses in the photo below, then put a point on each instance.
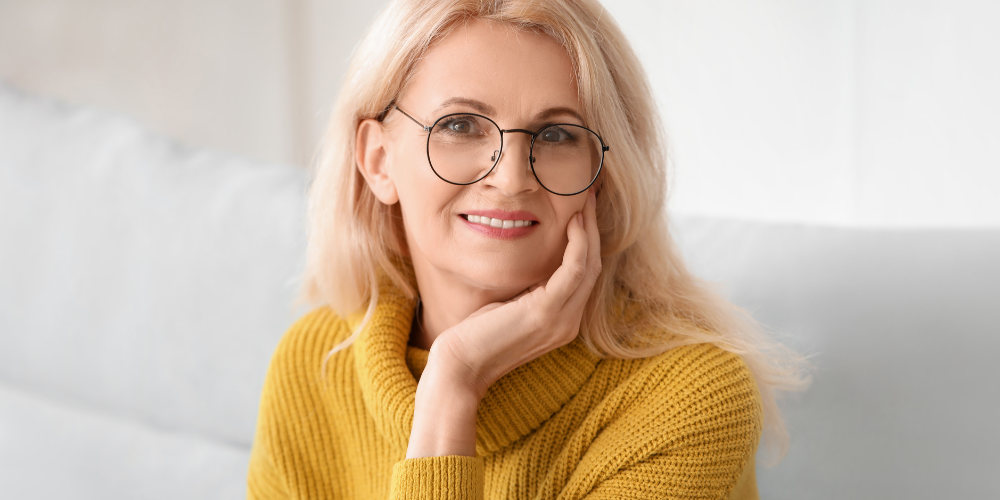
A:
(463, 148)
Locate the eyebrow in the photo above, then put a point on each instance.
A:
(488, 110)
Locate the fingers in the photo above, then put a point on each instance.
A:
(530, 289)
(577, 269)
(593, 262)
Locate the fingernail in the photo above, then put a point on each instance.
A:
(579, 218)
(593, 196)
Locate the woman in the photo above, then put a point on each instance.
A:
(488, 326)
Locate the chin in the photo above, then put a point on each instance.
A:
(497, 278)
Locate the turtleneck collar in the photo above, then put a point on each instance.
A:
(539, 388)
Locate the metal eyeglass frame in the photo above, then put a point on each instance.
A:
(604, 148)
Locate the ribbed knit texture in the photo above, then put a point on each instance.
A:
(568, 425)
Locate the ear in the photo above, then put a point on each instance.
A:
(372, 160)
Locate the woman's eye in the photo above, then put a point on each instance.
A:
(554, 135)
(461, 126)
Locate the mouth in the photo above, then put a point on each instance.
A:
(497, 222)
(513, 225)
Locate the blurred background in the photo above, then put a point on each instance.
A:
(848, 112)
(835, 172)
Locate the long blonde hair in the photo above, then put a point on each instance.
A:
(353, 235)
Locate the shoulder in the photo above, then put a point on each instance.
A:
(694, 393)
(287, 412)
(688, 419)
(295, 372)
(707, 381)
(702, 372)
(309, 338)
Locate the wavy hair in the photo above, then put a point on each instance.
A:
(353, 237)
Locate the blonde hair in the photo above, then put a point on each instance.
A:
(353, 236)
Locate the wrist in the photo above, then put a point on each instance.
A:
(449, 367)
(444, 377)
(444, 417)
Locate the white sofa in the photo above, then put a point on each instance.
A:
(144, 286)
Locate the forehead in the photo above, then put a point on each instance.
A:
(518, 73)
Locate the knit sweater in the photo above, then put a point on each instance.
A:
(566, 425)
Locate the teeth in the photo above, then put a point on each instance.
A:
(505, 224)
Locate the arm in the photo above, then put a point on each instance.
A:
(658, 477)
(702, 422)
(441, 457)
(286, 446)
(264, 479)
(444, 416)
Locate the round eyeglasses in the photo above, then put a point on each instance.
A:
(463, 148)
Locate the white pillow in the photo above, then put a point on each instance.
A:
(141, 277)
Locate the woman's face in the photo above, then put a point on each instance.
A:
(520, 80)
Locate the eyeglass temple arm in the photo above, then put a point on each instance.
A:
(382, 116)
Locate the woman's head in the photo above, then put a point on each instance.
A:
(519, 80)
(519, 58)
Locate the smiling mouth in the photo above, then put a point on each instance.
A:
(498, 223)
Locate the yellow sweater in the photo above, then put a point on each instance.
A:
(567, 425)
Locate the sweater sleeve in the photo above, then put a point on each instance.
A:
(658, 477)
(450, 477)
(702, 435)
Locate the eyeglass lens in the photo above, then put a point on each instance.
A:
(463, 148)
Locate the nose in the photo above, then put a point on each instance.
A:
(512, 174)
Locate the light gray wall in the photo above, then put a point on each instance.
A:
(854, 112)
(252, 76)
(847, 112)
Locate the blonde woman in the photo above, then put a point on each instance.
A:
(501, 312)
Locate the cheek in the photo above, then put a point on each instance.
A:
(413, 178)
(427, 204)
(557, 238)
(405, 165)
(565, 209)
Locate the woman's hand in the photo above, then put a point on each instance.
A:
(499, 337)
(469, 357)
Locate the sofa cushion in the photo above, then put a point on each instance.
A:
(904, 328)
(141, 277)
(52, 450)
